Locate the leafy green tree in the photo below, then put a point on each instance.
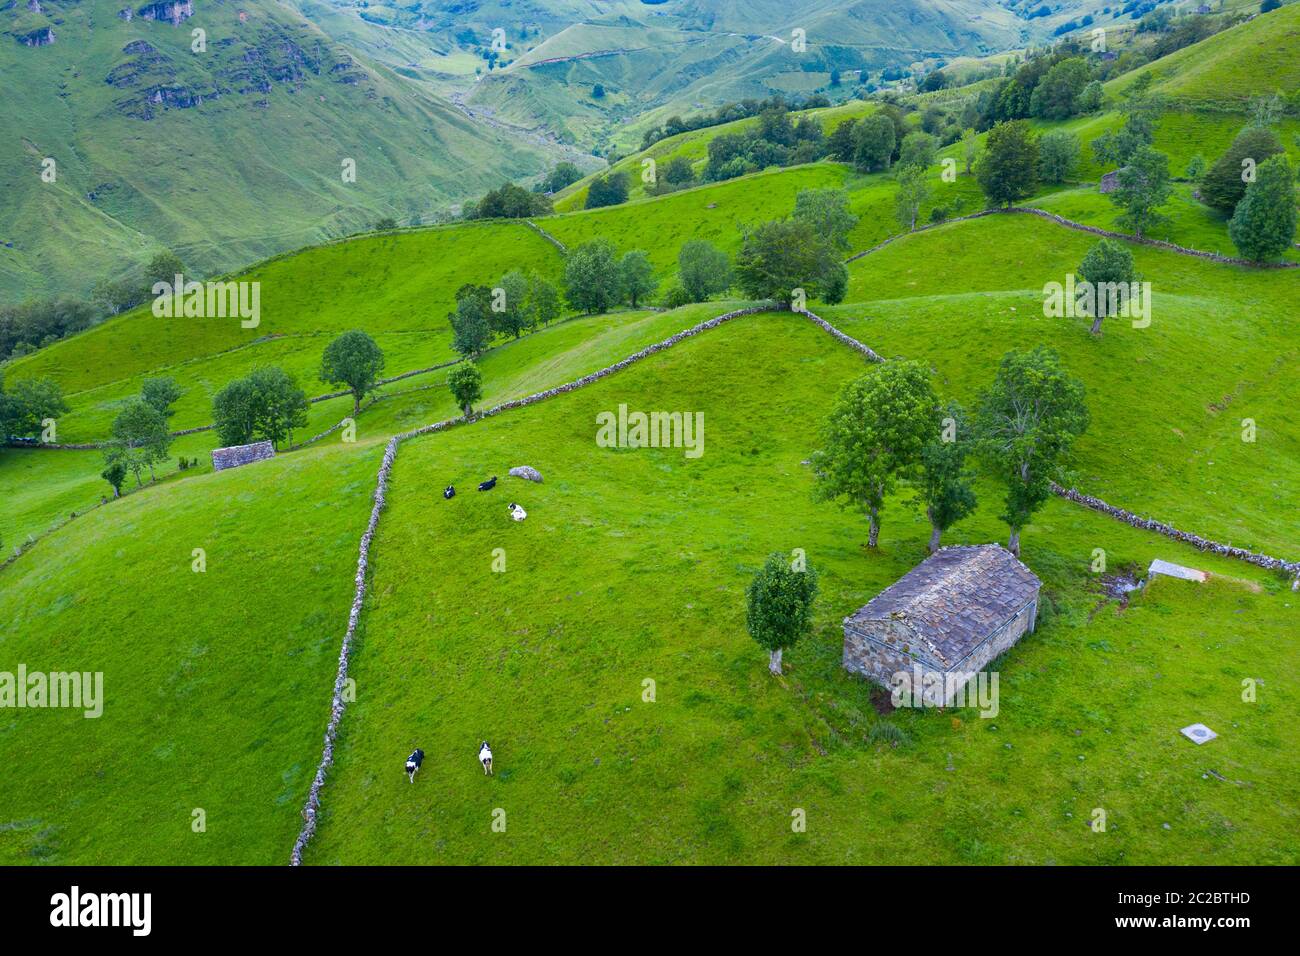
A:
(875, 434)
(610, 190)
(918, 149)
(778, 606)
(514, 314)
(355, 360)
(969, 148)
(591, 277)
(1263, 227)
(1025, 424)
(141, 432)
(1143, 186)
(677, 171)
(544, 299)
(874, 139)
(702, 269)
(1106, 262)
(466, 384)
(1141, 109)
(27, 404)
(1056, 97)
(911, 193)
(842, 144)
(470, 327)
(234, 412)
(1090, 97)
(1058, 155)
(778, 257)
(827, 211)
(1196, 167)
(1225, 183)
(564, 174)
(279, 405)
(161, 393)
(1008, 169)
(509, 201)
(636, 276)
(114, 470)
(945, 485)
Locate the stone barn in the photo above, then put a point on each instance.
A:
(236, 455)
(948, 617)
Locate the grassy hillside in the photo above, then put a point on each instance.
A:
(606, 587)
(224, 156)
(1226, 70)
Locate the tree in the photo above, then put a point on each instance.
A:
(1263, 227)
(1008, 169)
(778, 606)
(677, 171)
(1225, 183)
(544, 299)
(1141, 109)
(234, 412)
(702, 269)
(141, 432)
(470, 327)
(1090, 97)
(1196, 167)
(945, 483)
(1143, 186)
(911, 193)
(1105, 263)
(1058, 154)
(509, 202)
(591, 277)
(636, 276)
(161, 393)
(515, 313)
(354, 360)
(466, 384)
(875, 434)
(1025, 424)
(610, 190)
(842, 144)
(873, 143)
(1056, 97)
(562, 175)
(279, 405)
(827, 211)
(778, 257)
(114, 470)
(597, 92)
(28, 404)
(969, 148)
(918, 150)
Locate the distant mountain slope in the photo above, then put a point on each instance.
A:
(225, 154)
(1227, 69)
(675, 55)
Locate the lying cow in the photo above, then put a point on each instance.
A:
(516, 512)
(488, 485)
(449, 492)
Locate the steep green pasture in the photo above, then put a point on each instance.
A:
(1167, 401)
(216, 685)
(631, 568)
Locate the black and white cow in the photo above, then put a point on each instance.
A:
(413, 763)
(485, 758)
(449, 491)
(488, 485)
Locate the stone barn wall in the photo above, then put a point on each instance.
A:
(236, 455)
(880, 649)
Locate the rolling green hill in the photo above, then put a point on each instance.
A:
(225, 155)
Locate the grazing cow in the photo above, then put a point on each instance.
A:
(488, 485)
(413, 763)
(516, 512)
(485, 758)
(449, 491)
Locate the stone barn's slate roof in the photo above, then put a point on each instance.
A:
(236, 455)
(955, 598)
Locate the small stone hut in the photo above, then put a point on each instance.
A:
(949, 616)
(236, 455)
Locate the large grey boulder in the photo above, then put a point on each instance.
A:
(527, 472)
